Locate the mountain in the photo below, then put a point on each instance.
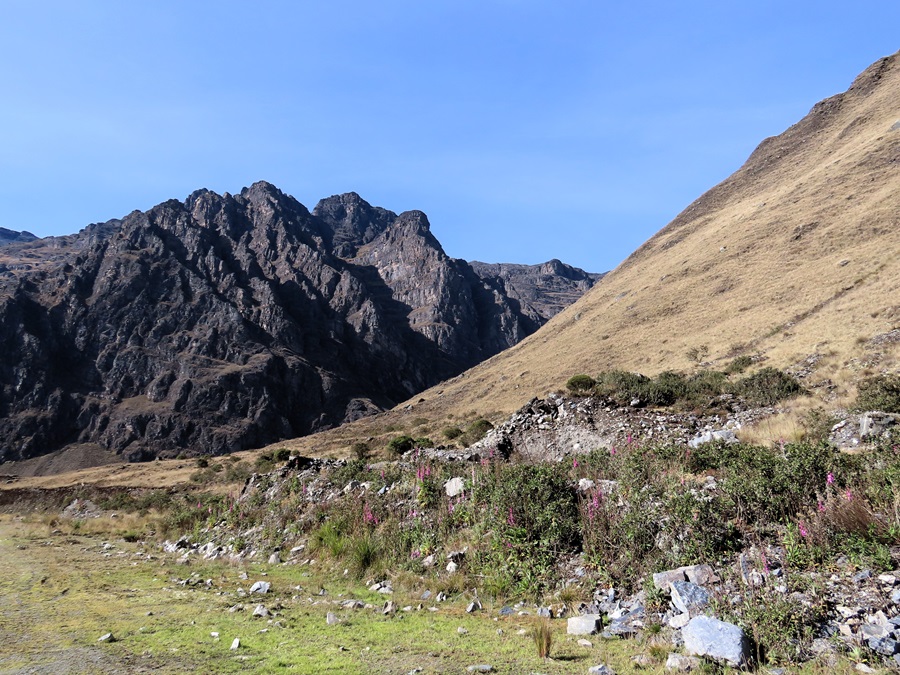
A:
(225, 322)
(793, 260)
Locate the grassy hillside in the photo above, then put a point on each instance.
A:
(793, 259)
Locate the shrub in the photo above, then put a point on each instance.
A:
(451, 433)
(580, 384)
(202, 462)
(282, 455)
(476, 431)
(424, 442)
(768, 386)
(400, 444)
(360, 450)
(881, 392)
(738, 365)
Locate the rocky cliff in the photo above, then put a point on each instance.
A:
(227, 322)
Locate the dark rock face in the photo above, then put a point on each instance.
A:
(12, 237)
(228, 322)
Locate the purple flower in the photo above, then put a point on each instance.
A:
(803, 532)
(829, 478)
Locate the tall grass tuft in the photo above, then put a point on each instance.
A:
(542, 634)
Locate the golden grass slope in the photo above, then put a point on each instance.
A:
(796, 254)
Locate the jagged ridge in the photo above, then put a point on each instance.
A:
(227, 322)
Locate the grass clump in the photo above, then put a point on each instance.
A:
(542, 634)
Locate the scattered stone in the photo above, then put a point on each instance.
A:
(261, 611)
(642, 660)
(452, 567)
(275, 558)
(261, 587)
(870, 631)
(331, 619)
(480, 668)
(717, 640)
(679, 621)
(661, 580)
(454, 487)
(235, 645)
(700, 574)
(462, 631)
(389, 608)
(586, 624)
(236, 608)
(723, 435)
(885, 646)
(108, 637)
(862, 575)
(863, 668)
(682, 663)
(688, 598)
(601, 669)
(585, 643)
(474, 606)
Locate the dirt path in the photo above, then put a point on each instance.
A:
(47, 625)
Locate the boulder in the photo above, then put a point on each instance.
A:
(586, 624)
(454, 487)
(688, 598)
(717, 640)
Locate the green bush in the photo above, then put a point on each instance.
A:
(400, 444)
(475, 431)
(360, 450)
(768, 386)
(738, 365)
(881, 392)
(282, 455)
(451, 433)
(424, 442)
(580, 384)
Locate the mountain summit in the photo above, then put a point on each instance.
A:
(226, 322)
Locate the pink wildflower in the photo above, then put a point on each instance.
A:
(574, 463)
(821, 507)
(510, 519)
(829, 478)
(848, 495)
(803, 532)
(628, 439)
(612, 450)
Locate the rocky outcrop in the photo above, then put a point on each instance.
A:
(227, 322)
(12, 237)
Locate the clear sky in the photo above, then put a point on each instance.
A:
(525, 130)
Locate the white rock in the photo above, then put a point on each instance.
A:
(717, 640)
(454, 487)
(586, 624)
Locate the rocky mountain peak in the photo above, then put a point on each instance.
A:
(226, 322)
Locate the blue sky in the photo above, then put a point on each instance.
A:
(525, 130)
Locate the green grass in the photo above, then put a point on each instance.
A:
(60, 592)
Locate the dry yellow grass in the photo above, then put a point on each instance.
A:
(796, 254)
